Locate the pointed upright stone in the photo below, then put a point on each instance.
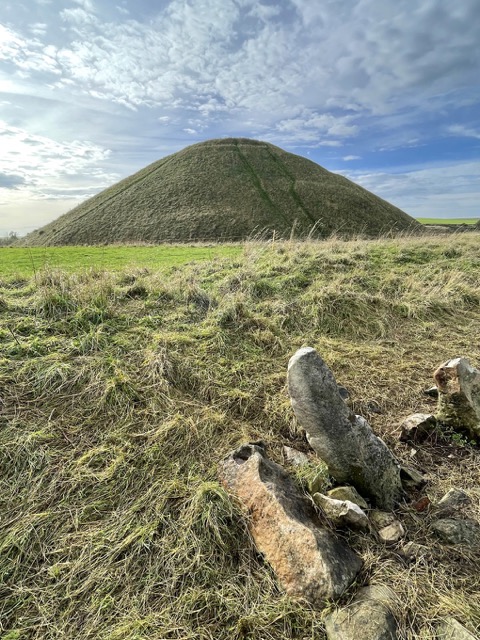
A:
(458, 385)
(346, 442)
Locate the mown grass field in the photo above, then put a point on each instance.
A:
(26, 262)
(447, 220)
(121, 389)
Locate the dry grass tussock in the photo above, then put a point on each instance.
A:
(120, 392)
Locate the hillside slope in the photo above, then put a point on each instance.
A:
(225, 189)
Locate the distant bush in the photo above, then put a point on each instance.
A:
(7, 241)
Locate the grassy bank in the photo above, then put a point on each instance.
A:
(121, 389)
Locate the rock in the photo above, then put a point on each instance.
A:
(432, 392)
(346, 442)
(454, 531)
(381, 519)
(348, 493)
(368, 617)
(309, 561)
(458, 384)
(342, 512)
(450, 629)
(411, 478)
(422, 504)
(413, 550)
(417, 427)
(453, 500)
(294, 457)
(393, 533)
(343, 392)
(317, 483)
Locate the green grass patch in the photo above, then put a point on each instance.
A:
(448, 220)
(122, 387)
(25, 262)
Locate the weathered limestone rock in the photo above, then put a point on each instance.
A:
(451, 629)
(368, 617)
(392, 533)
(346, 442)
(348, 493)
(310, 562)
(454, 531)
(458, 385)
(417, 427)
(342, 512)
(453, 500)
(294, 457)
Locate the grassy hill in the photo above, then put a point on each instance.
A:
(122, 389)
(227, 189)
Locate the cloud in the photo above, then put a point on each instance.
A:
(463, 131)
(44, 165)
(443, 190)
(11, 181)
(350, 158)
(336, 62)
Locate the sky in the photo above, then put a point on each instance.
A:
(386, 92)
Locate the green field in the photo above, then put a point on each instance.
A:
(123, 385)
(447, 220)
(25, 262)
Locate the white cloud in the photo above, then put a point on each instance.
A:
(445, 190)
(350, 158)
(463, 131)
(44, 165)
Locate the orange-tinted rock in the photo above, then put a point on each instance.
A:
(309, 561)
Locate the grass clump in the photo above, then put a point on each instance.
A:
(117, 408)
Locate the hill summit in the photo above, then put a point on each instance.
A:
(227, 189)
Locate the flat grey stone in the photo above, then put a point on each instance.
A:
(417, 427)
(348, 493)
(368, 617)
(453, 500)
(451, 629)
(294, 457)
(342, 512)
(454, 531)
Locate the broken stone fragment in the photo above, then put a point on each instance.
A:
(417, 427)
(452, 531)
(411, 478)
(346, 442)
(348, 493)
(413, 550)
(381, 519)
(451, 629)
(309, 561)
(294, 457)
(432, 392)
(368, 617)
(453, 500)
(393, 533)
(342, 512)
(458, 385)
